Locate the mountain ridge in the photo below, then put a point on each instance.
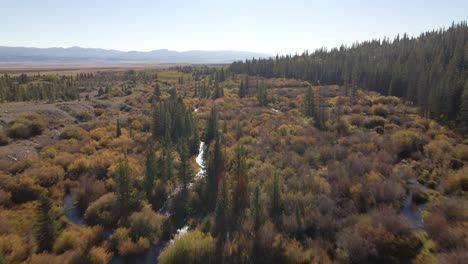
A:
(21, 54)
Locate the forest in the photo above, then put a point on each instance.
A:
(196, 164)
(429, 70)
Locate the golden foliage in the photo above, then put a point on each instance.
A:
(193, 247)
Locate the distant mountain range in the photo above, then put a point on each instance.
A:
(78, 54)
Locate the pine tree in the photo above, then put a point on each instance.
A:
(218, 91)
(203, 93)
(309, 103)
(222, 77)
(238, 171)
(150, 170)
(46, 232)
(298, 216)
(225, 127)
(238, 130)
(184, 167)
(464, 107)
(246, 86)
(241, 91)
(262, 95)
(211, 129)
(214, 168)
(194, 139)
(256, 208)
(167, 162)
(224, 209)
(156, 92)
(275, 198)
(118, 132)
(125, 191)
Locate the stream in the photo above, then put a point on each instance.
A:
(151, 255)
(275, 110)
(409, 209)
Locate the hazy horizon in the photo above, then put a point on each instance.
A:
(109, 49)
(272, 27)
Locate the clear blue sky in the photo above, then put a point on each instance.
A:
(286, 26)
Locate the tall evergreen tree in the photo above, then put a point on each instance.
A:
(224, 208)
(125, 191)
(256, 208)
(238, 130)
(214, 168)
(246, 86)
(150, 170)
(464, 107)
(211, 129)
(157, 92)
(184, 167)
(118, 131)
(46, 227)
(275, 198)
(309, 103)
(238, 171)
(218, 91)
(262, 95)
(242, 92)
(167, 162)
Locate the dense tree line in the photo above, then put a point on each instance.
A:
(66, 87)
(207, 84)
(49, 87)
(430, 70)
(173, 121)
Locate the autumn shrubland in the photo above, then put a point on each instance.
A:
(295, 173)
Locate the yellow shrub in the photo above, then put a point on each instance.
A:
(128, 247)
(47, 175)
(406, 142)
(78, 167)
(380, 110)
(193, 247)
(438, 149)
(13, 248)
(63, 159)
(296, 253)
(122, 241)
(69, 239)
(4, 140)
(146, 223)
(461, 152)
(102, 210)
(49, 152)
(26, 126)
(98, 255)
(74, 132)
(45, 258)
(456, 181)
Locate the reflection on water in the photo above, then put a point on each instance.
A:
(411, 210)
(71, 211)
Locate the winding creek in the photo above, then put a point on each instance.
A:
(150, 256)
(409, 209)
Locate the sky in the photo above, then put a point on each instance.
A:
(274, 27)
